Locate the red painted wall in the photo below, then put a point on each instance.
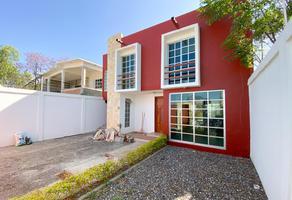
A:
(216, 73)
(104, 66)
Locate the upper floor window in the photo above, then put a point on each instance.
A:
(180, 66)
(128, 72)
(181, 62)
(128, 68)
(98, 83)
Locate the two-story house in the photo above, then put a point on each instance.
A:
(174, 78)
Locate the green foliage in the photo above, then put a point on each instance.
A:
(97, 174)
(253, 22)
(10, 75)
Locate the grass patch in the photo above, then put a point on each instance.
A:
(75, 185)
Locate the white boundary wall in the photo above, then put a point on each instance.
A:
(46, 115)
(270, 91)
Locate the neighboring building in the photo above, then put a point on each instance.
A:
(174, 78)
(76, 76)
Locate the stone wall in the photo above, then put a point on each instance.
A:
(113, 103)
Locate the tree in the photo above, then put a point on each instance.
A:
(10, 75)
(255, 23)
(37, 64)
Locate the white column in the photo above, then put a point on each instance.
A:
(62, 80)
(42, 84)
(83, 77)
(48, 84)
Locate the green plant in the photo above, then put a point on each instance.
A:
(84, 181)
(254, 24)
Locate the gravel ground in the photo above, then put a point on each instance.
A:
(179, 173)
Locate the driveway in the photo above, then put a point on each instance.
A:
(179, 173)
(26, 168)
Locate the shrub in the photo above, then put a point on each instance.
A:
(84, 181)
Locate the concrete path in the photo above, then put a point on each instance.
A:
(26, 168)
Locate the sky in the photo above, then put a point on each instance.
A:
(79, 28)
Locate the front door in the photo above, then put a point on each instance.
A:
(159, 114)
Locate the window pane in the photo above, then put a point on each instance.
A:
(188, 96)
(192, 41)
(187, 113)
(171, 61)
(175, 97)
(201, 131)
(188, 138)
(177, 45)
(216, 105)
(175, 136)
(216, 122)
(187, 129)
(201, 122)
(216, 113)
(201, 139)
(216, 95)
(216, 141)
(171, 53)
(184, 50)
(192, 56)
(176, 128)
(176, 105)
(185, 58)
(201, 96)
(185, 43)
(201, 104)
(187, 105)
(171, 46)
(192, 48)
(216, 132)
(173, 112)
(201, 113)
(175, 120)
(187, 121)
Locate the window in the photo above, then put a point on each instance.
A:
(181, 62)
(198, 118)
(128, 68)
(180, 58)
(128, 72)
(105, 81)
(98, 83)
(127, 112)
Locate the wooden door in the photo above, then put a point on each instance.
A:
(159, 114)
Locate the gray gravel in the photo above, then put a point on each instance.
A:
(179, 173)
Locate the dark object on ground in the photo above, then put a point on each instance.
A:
(129, 139)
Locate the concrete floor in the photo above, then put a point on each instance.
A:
(26, 168)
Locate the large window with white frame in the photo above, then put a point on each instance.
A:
(198, 118)
(128, 68)
(180, 59)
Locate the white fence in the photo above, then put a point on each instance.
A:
(270, 90)
(47, 115)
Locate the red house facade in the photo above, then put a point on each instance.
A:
(174, 78)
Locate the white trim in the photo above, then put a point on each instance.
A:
(137, 51)
(164, 55)
(193, 143)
